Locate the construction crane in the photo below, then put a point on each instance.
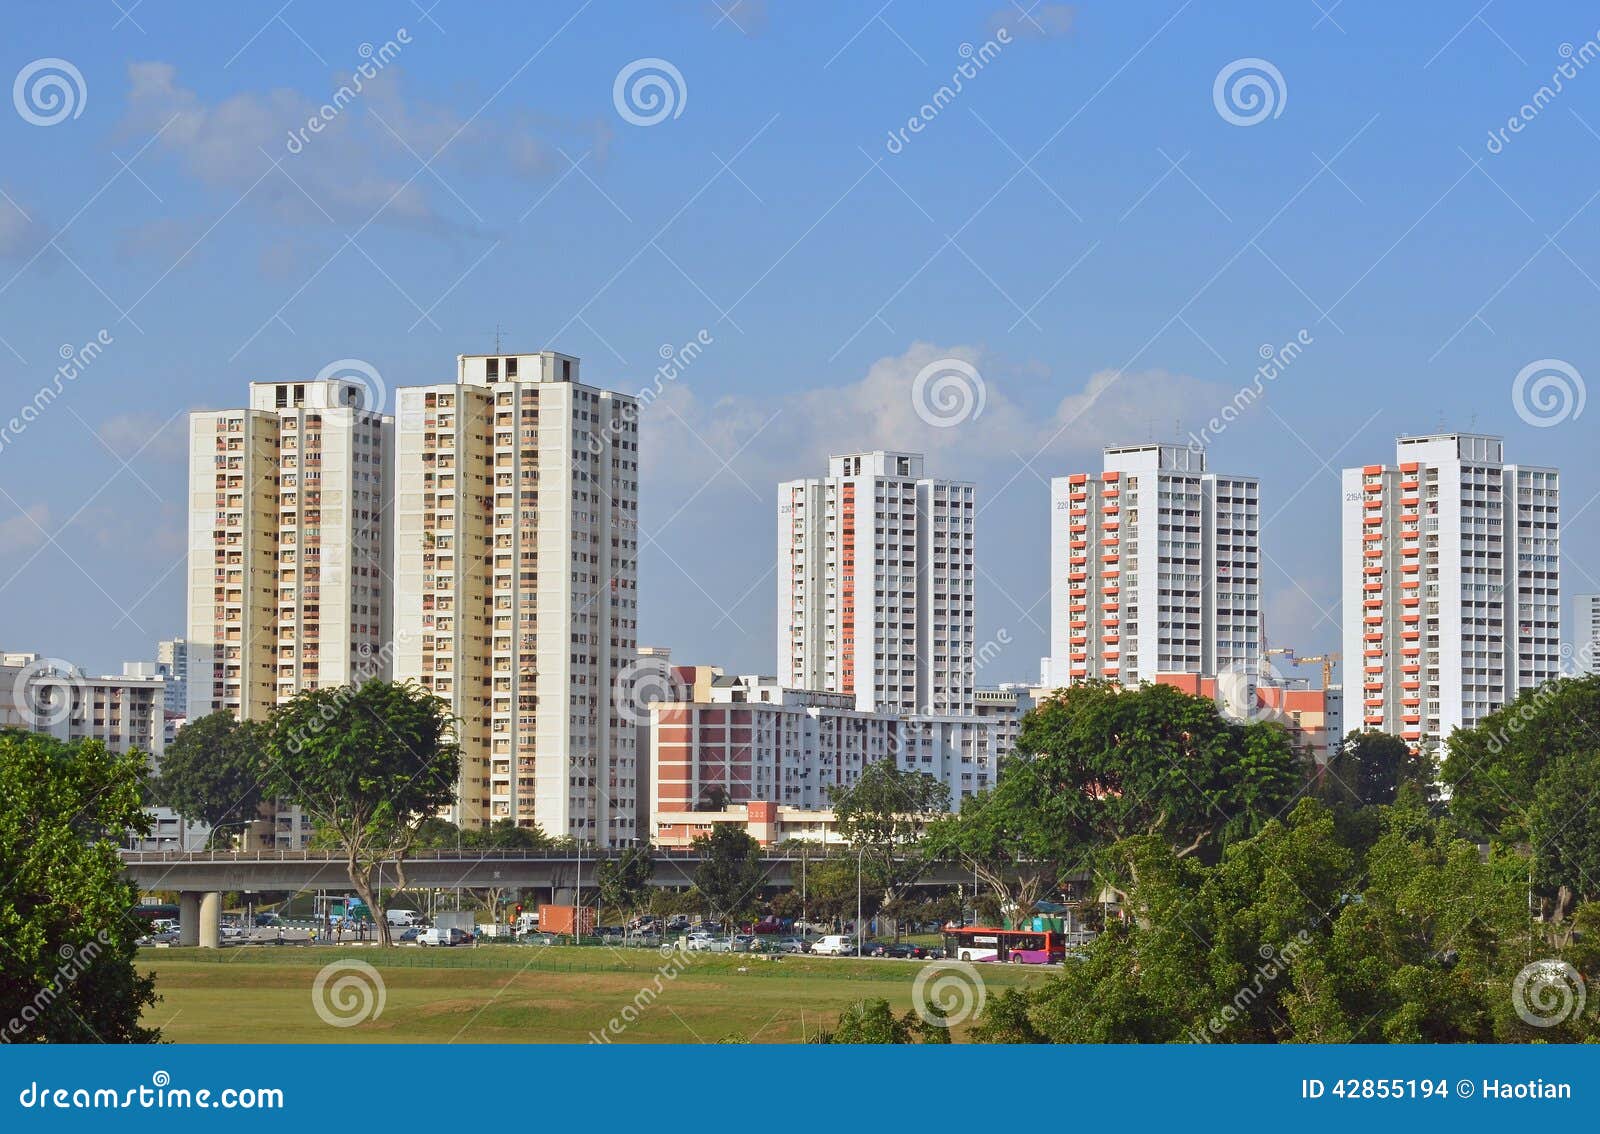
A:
(1327, 661)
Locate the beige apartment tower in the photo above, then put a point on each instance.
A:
(287, 550)
(516, 536)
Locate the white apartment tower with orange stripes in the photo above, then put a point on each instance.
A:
(1155, 568)
(876, 579)
(1452, 596)
(516, 587)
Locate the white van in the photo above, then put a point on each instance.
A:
(835, 945)
(403, 918)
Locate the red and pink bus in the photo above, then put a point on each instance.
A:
(1016, 946)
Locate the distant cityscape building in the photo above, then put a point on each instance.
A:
(1155, 568)
(730, 741)
(1451, 588)
(287, 552)
(1003, 707)
(876, 582)
(1314, 718)
(1586, 633)
(516, 573)
(126, 713)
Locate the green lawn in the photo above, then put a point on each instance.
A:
(508, 994)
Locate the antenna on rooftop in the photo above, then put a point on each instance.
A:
(498, 332)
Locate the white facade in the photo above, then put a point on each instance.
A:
(287, 551)
(750, 739)
(876, 583)
(516, 570)
(1155, 567)
(1451, 590)
(1586, 633)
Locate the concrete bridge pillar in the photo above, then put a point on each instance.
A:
(210, 921)
(188, 918)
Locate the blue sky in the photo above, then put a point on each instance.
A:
(1081, 225)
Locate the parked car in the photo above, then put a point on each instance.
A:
(903, 950)
(437, 936)
(264, 920)
(409, 935)
(403, 918)
(835, 945)
(786, 945)
(745, 943)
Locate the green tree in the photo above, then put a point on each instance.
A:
(506, 834)
(730, 873)
(1369, 768)
(839, 888)
(212, 773)
(67, 942)
(1521, 778)
(624, 881)
(871, 1021)
(368, 763)
(884, 816)
(1097, 764)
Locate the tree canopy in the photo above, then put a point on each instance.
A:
(369, 764)
(729, 877)
(68, 941)
(212, 773)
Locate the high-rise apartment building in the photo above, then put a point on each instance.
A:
(1586, 633)
(1155, 568)
(516, 535)
(876, 579)
(287, 550)
(1452, 597)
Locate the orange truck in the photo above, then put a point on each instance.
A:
(571, 920)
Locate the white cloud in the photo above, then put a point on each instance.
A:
(359, 162)
(21, 234)
(685, 438)
(147, 435)
(26, 529)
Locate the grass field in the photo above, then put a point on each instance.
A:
(507, 994)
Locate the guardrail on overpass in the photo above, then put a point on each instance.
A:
(558, 871)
